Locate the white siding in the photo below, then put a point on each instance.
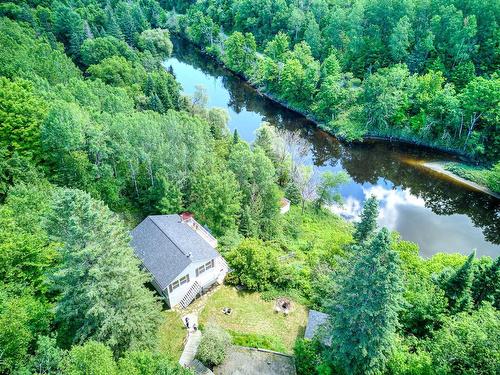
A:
(205, 280)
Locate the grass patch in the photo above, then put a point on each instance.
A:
(480, 175)
(254, 340)
(475, 174)
(172, 335)
(254, 318)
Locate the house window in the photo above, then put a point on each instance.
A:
(204, 267)
(200, 270)
(177, 283)
(184, 279)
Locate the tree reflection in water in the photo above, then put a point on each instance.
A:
(411, 197)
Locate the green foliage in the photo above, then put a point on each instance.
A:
(486, 284)
(457, 287)
(148, 363)
(480, 175)
(21, 113)
(215, 200)
(26, 254)
(95, 50)
(307, 358)
(102, 290)
(92, 358)
(327, 191)
(255, 263)
(239, 52)
(468, 343)
(214, 345)
(156, 41)
(22, 318)
(368, 224)
(425, 309)
(363, 329)
(254, 340)
(408, 359)
(418, 63)
(117, 71)
(24, 55)
(48, 358)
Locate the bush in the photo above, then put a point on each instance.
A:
(468, 343)
(253, 340)
(307, 356)
(213, 346)
(156, 41)
(493, 180)
(255, 263)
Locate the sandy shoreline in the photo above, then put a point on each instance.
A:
(438, 167)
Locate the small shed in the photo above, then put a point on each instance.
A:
(284, 205)
(315, 321)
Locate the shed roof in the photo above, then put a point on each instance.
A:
(315, 320)
(167, 245)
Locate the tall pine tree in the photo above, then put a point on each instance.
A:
(486, 284)
(102, 292)
(458, 287)
(368, 223)
(364, 312)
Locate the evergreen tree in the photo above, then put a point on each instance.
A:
(236, 137)
(102, 292)
(364, 312)
(155, 104)
(458, 287)
(486, 285)
(368, 223)
(112, 27)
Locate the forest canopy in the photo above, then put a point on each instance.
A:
(95, 134)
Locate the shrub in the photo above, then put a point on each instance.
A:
(253, 340)
(307, 357)
(157, 41)
(255, 263)
(213, 346)
(468, 343)
(493, 180)
(91, 358)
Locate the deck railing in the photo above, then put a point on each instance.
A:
(202, 232)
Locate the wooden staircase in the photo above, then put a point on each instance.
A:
(190, 295)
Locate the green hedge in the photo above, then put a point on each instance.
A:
(253, 340)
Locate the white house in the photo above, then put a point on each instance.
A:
(181, 256)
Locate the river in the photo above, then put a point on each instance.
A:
(437, 213)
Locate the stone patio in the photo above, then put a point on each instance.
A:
(249, 361)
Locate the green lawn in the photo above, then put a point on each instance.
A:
(172, 335)
(254, 320)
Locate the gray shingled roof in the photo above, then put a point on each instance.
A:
(163, 243)
(315, 320)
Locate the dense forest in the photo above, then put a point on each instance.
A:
(421, 71)
(95, 134)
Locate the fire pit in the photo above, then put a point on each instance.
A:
(283, 305)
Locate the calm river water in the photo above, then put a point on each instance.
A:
(426, 208)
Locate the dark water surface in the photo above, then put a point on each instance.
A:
(429, 209)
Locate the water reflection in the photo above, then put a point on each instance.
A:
(425, 208)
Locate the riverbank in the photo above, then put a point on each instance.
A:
(369, 136)
(440, 168)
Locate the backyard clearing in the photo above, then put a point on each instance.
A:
(253, 320)
(246, 361)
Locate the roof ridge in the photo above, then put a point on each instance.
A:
(150, 217)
